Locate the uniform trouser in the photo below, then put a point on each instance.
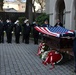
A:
(26, 37)
(9, 37)
(74, 50)
(36, 39)
(2, 37)
(23, 38)
(17, 37)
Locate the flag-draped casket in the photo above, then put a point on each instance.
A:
(58, 38)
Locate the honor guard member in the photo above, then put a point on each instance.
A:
(46, 24)
(58, 23)
(35, 32)
(23, 34)
(74, 50)
(27, 29)
(17, 31)
(1, 32)
(9, 29)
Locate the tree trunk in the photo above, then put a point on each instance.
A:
(29, 13)
(41, 9)
(1, 5)
(34, 12)
(34, 16)
(27, 8)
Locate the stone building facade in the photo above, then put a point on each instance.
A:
(15, 4)
(65, 10)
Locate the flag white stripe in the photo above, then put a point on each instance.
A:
(42, 30)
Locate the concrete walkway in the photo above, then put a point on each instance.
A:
(21, 59)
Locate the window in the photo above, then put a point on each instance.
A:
(23, 6)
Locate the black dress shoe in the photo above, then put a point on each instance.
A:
(26, 42)
(36, 43)
(2, 41)
(17, 42)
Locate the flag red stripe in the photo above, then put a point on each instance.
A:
(43, 30)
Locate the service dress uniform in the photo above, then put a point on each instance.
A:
(27, 29)
(58, 23)
(9, 29)
(74, 50)
(45, 24)
(17, 31)
(1, 32)
(35, 34)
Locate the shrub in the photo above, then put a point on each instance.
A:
(21, 20)
(40, 19)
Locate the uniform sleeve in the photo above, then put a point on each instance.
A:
(30, 28)
(61, 24)
(55, 25)
(42, 25)
(20, 28)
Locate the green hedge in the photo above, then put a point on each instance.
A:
(40, 19)
(21, 20)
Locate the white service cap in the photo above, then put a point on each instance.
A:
(26, 20)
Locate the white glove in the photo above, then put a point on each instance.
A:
(20, 32)
(39, 33)
(12, 32)
(4, 31)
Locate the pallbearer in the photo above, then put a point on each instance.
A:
(74, 50)
(35, 32)
(46, 24)
(58, 23)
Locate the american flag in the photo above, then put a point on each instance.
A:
(54, 31)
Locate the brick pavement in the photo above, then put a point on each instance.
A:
(21, 59)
